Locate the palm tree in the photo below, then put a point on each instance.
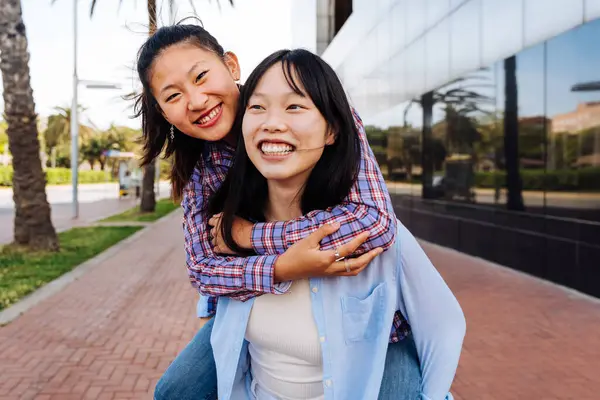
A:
(148, 197)
(33, 225)
(57, 135)
(459, 99)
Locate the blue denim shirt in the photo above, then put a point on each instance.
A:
(353, 316)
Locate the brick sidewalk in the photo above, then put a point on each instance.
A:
(112, 333)
(526, 339)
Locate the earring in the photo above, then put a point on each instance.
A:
(172, 133)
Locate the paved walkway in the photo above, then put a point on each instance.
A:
(112, 333)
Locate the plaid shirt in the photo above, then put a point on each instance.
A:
(367, 208)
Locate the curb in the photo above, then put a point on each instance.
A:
(51, 288)
(124, 223)
(110, 214)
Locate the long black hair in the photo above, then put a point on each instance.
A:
(186, 151)
(244, 192)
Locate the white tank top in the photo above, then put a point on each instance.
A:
(285, 352)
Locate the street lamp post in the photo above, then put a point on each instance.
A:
(75, 116)
(74, 119)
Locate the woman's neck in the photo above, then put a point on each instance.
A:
(230, 139)
(284, 201)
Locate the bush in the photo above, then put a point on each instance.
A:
(59, 176)
(6, 174)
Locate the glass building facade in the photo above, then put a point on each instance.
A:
(484, 116)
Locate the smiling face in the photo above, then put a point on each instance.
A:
(196, 90)
(284, 132)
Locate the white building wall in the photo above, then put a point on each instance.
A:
(390, 51)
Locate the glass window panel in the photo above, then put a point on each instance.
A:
(532, 125)
(573, 97)
(463, 139)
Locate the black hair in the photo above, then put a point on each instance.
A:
(186, 151)
(244, 192)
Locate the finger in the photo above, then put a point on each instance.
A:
(354, 272)
(355, 264)
(323, 231)
(213, 220)
(350, 247)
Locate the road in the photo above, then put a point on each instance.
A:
(96, 201)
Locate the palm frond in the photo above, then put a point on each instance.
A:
(92, 7)
(171, 5)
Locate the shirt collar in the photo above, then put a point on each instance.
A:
(217, 153)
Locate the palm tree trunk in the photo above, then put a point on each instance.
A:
(33, 225)
(514, 186)
(148, 203)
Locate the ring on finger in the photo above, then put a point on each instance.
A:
(337, 255)
(346, 265)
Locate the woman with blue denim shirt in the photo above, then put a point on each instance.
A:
(325, 339)
(187, 105)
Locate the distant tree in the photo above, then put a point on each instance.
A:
(57, 136)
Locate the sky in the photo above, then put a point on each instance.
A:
(109, 41)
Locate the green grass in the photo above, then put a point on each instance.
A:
(21, 271)
(163, 207)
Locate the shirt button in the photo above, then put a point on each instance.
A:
(315, 290)
(328, 383)
(322, 339)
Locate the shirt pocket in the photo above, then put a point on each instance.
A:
(362, 317)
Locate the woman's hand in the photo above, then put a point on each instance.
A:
(242, 234)
(305, 259)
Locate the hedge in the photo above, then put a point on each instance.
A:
(59, 176)
(585, 179)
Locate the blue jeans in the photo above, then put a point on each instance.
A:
(193, 376)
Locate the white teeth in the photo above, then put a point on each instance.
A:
(276, 148)
(210, 116)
